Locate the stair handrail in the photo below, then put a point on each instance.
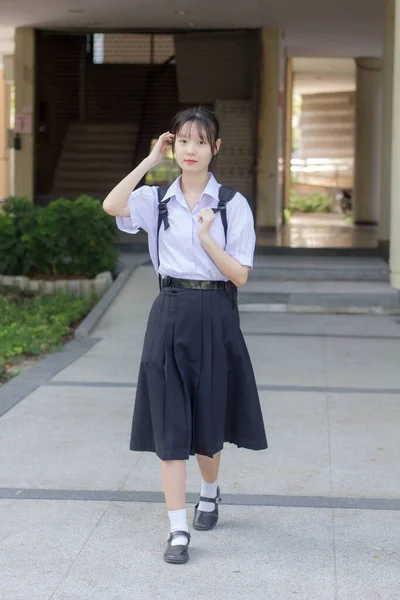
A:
(152, 75)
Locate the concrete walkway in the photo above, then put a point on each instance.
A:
(314, 517)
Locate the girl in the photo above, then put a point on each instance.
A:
(196, 387)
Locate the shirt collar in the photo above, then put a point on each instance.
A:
(211, 188)
(172, 189)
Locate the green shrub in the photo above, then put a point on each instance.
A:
(19, 207)
(36, 324)
(64, 238)
(11, 248)
(15, 220)
(14, 257)
(320, 203)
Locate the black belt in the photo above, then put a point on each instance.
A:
(195, 284)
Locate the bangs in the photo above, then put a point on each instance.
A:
(202, 131)
(205, 121)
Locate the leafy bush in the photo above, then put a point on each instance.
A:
(36, 324)
(320, 203)
(64, 238)
(15, 220)
(11, 247)
(19, 207)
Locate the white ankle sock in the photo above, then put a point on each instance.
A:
(178, 521)
(208, 490)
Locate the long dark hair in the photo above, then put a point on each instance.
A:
(204, 118)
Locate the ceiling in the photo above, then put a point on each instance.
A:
(340, 28)
(322, 75)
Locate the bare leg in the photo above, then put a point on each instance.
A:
(173, 474)
(206, 513)
(209, 467)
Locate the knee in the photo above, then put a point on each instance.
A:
(172, 463)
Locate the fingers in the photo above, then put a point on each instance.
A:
(165, 140)
(167, 137)
(206, 214)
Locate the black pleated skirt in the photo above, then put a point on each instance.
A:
(196, 387)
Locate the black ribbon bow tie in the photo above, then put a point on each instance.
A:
(163, 212)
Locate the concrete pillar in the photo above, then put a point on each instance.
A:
(269, 131)
(6, 154)
(394, 257)
(288, 131)
(387, 108)
(4, 124)
(24, 68)
(367, 168)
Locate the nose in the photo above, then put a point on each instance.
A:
(190, 151)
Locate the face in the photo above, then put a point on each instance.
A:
(193, 152)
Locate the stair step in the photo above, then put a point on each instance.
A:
(103, 127)
(85, 172)
(103, 159)
(68, 169)
(321, 293)
(84, 185)
(94, 158)
(78, 179)
(319, 268)
(285, 274)
(100, 192)
(326, 300)
(103, 137)
(72, 147)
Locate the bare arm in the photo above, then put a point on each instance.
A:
(115, 203)
(229, 266)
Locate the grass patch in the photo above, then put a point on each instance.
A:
(309, 203)
(31, 325)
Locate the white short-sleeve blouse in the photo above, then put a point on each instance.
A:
(181, 252)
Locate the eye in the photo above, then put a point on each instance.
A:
(202, 142)
(183, 141)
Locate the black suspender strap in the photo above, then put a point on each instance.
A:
(162, 218)
(225, 194)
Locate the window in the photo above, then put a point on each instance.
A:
(132, 48)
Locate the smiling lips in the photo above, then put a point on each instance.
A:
(190, 162)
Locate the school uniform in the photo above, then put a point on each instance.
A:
(196, 387)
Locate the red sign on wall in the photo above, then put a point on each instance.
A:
(23, 123)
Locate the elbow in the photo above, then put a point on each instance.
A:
(242, 277)
(107, 208)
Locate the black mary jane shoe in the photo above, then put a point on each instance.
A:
(177, 555)
(203, 521)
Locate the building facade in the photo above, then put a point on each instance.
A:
(89, 101)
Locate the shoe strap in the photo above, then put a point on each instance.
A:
(215, 500)
(175, 534)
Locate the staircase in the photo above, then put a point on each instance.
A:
(94, 158)
(356, 285)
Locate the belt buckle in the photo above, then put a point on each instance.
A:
(167, 281)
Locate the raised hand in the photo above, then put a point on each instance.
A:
(206, 218)
(163, 143)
